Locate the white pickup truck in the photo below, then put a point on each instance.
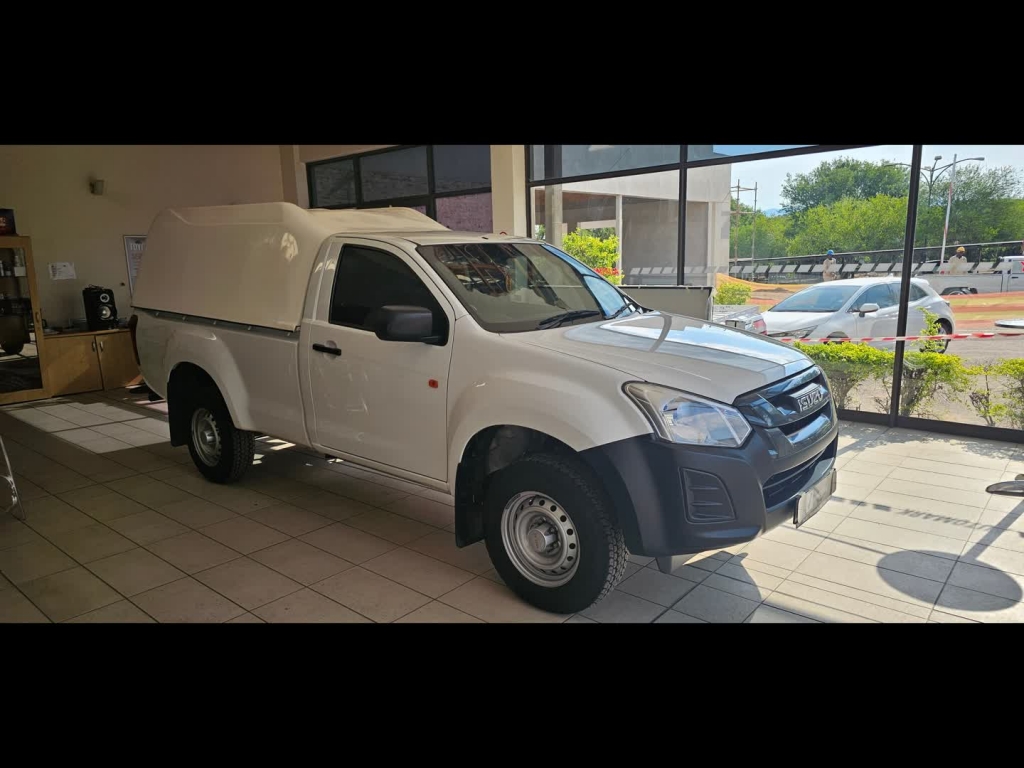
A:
(571, 424)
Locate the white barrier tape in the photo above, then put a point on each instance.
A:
(951, 336)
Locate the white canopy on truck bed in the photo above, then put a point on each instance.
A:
(249, 264)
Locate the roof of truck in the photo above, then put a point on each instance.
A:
(251, 263)
(449, 236)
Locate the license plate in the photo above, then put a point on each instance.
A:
(814, 498)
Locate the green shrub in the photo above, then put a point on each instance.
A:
(1012, 373)
(931, 328)
(847, 365)
(733, 293)
(925, 376)
(595, 252)
(983, 399)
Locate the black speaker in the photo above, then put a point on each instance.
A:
(100, 310)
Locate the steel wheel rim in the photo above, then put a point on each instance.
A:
(206, 437)
(540, 539)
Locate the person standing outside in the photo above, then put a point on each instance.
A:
(830, 272)
(959, 260)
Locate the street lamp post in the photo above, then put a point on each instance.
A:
(932, 178)
(949, 204)
(925, 169)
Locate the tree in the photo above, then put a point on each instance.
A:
(592, 251)
(986, 207)
(844, 177)
(770, 240)
(875, 224)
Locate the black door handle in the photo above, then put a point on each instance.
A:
(326, 350)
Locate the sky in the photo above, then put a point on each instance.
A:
(771, 174)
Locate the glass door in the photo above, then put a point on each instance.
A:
(21, 370)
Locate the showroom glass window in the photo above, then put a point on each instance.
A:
(615, 207)
(762, 222)
(977, 383)
(762, 229)
(451, 183)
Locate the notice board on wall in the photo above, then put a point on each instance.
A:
(134, 247)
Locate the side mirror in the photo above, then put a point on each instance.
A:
(867, 309)
(400, 323)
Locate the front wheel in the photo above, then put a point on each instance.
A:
(551, 533)
(220, 452)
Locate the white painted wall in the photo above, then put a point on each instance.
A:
(48, 187)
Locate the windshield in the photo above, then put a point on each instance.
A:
(512, 287)
(829, 298)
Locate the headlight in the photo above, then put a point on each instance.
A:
(680, 417)
(800, 333)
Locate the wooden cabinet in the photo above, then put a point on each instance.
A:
(73, 365)
(86, 362)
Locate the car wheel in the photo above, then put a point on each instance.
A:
(551, 533)
(220, 452)
(12, 348)
(945, 329)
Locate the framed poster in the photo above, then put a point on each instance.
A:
(134, 246)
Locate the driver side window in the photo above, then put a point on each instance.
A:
(882, 295)
(367, 279)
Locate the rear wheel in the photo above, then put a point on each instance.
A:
(551, 533)
(944, 329)
(12, 347)
(220, 452)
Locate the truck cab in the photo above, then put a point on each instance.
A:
(571, 425)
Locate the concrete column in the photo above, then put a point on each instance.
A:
(618, 229)
(293, 176)
(508, 188)
(554, 227)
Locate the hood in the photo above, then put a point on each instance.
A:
(778, 322)
(714, 361)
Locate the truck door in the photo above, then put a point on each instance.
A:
(385, 401)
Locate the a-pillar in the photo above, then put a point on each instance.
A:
(508, 189)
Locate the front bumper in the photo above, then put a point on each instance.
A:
(682, 499)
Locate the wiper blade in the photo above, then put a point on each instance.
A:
(619, 311)
(574, 314)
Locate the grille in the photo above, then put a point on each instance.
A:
(799, 407)
(784, 485)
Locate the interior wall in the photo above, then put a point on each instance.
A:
(48, 188)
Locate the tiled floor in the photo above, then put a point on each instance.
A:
(121, 528)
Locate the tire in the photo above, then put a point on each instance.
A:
(207, 414)
(535, 489)
(12, 348)
(946, 329)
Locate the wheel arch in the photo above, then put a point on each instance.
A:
(185, 378)
(495, 447)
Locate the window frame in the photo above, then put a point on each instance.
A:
(427, 199)
(437, 310)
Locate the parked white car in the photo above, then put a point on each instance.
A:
(571, 425)
(862, 307)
